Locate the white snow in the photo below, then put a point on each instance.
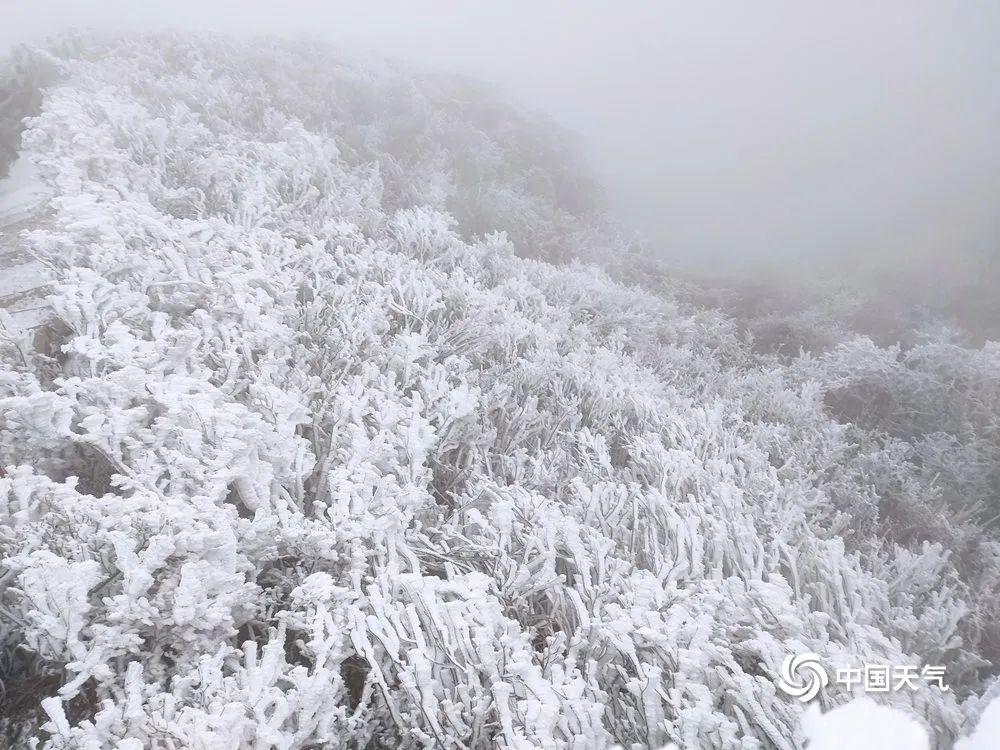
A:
(862, 724)
(986, 735)
(21, 191)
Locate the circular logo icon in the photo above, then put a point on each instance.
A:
(803, 676)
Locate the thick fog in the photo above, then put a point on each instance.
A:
(849, 136)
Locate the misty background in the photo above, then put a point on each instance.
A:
(761, 139)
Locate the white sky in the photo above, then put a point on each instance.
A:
(733, 133)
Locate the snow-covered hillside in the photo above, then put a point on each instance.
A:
(333, 444)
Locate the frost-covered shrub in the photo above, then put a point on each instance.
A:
(926, 420)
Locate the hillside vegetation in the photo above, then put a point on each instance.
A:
(362, 426)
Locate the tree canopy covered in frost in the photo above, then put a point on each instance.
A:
(336, 442)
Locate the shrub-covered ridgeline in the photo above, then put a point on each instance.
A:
(334, 445)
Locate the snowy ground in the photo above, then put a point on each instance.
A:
(21, 277)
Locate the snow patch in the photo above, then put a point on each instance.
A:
(21, 192)
(862, 724)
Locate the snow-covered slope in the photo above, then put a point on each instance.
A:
(327, 459)
(22, 192)
(22, 278)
